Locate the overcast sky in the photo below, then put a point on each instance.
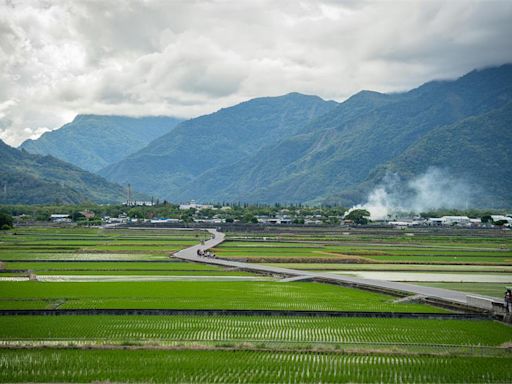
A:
(186, 58)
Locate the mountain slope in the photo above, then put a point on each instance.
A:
(342, 148)
(92, 142)
(219, 139)
(476, 150)
(37, 179)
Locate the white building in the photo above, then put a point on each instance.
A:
(162, 220)
(60, 218)
(456, 220)
(194, 205)
(501, 218)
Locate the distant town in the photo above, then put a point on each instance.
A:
(164, 214)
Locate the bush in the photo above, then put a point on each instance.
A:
(5, 221)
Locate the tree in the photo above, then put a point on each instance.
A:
(5, 221)
(358, 216)
(486, 219)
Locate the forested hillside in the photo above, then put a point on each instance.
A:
(37, 179)
(92, 142)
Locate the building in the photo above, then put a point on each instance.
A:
(60, 218)
(164, 220)
(496, 218)
(88, 214)
(195, 205)
(456, 220)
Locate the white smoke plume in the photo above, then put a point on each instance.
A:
(434, 189)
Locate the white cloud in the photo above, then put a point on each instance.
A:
(185, 58)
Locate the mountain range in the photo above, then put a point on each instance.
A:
(36, 179)
(92, 142)
(302, 149)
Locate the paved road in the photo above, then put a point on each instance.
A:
(430, 292)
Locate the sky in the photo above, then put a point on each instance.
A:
(188, 58)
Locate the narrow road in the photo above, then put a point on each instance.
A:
(445, 295)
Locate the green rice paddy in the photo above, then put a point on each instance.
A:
(225, 349)
(258, 329)
(206, 295)
(225, 366)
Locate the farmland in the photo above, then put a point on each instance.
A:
(68, 268)
(256, 329)
(207, 294)
(468, 260)
(200, 366)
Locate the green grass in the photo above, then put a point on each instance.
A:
(318, 252)
(254, 329)
(208, 295)
(120, 268)
(58, 365)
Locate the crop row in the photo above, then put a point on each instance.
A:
(255, 329)
(208, 295)
(105, 266)
(244, 366)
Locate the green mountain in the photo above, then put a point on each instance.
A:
(222, 138)
(35, 179)
(298, 148)
(345, 152)
(92, 142)
(476, 150)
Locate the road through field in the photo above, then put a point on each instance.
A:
(445, 295)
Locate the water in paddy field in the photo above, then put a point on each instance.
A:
(430, 277)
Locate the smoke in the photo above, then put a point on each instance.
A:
(434, 189)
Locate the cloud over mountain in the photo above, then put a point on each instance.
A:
(58, 59)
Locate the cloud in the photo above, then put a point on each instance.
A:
(61, 58)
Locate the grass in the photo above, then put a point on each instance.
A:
(58, 365)
(255, 329)
(208, 295)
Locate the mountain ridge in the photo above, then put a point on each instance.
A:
(92, 142)
(43, 179)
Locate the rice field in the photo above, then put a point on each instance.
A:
(116, 269)
(94, 244)
(226, 366)
(488, 289)
(206, 295)
(256, 329)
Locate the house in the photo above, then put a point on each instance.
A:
(88, 214)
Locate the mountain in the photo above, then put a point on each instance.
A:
(475, 150)
(346, 151)
(222, 138)
(35, 179)
(92, 142)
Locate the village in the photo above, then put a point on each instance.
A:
(209, 214)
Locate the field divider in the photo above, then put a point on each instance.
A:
(241, 312)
